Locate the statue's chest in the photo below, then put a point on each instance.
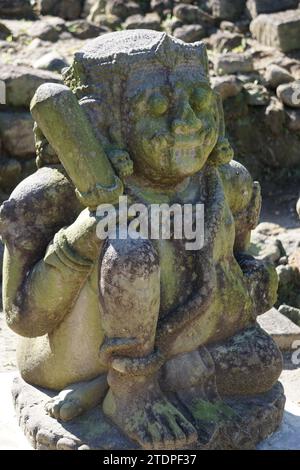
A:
(181, 268)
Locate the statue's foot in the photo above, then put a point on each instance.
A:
(77, 398)
(190, 381)
(213, 418)
(140, 409)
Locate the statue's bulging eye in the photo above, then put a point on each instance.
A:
(200, 98)
(158, 104)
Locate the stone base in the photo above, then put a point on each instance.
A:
(257, 418)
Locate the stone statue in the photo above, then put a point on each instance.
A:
(162, 341)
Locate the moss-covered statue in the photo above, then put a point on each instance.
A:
(159, 340)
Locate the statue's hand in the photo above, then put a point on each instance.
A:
(262, 281)
(65, 126)
(81, 236)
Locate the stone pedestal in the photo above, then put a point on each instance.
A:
(255, 418)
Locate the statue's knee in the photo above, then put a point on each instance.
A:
(133, 259)
(249, 363)
(129, 277)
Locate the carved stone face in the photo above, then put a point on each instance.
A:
(172, 123)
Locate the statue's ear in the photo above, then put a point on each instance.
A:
(121, 162)
(223, 151)
(45, 154)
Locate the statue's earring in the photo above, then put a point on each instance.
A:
(222, 153)
(45, 154)
(121, 161)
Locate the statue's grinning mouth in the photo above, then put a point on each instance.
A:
(184, 153)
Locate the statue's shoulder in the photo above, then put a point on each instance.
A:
(238, 185)
(42, 202)
(48, 185)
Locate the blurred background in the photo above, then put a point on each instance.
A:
(254, 60)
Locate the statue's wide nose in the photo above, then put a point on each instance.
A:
(185, 120)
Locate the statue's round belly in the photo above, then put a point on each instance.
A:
(70, 353)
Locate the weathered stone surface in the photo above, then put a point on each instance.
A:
(90, 5)
(16, 132)
(285, 274)
(4, 32)
(256, 7)
(170, 24)
(228, 9)
(226, 64)
(227, 26)
(289, 94)
(190, 32)
(290, 312)
(294, 260)
(293, 120)
(291, 241)
(22, 82)
(251, 349)
(298, 207)
(225, 41)
(52, 61)
(108, 21)
(44, 30)
(257, 95)
(67, 9)
(275, 116)
(122, 9)
(83, 29)
(1, 262)
(228, 86)
(283, 331)
(280, 30)
(15, 8)
(160, 6)
(265, 247)
(148, 21)
(10, 172)
(93, 11)
(276, 75)
(191, 14)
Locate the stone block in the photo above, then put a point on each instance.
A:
(256, 7)
(227, 64)
(16, 130)
(283, 331)
(228, 9)
(15, 9)
(22, 82)
(280, 30)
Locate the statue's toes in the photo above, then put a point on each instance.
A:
(175, 430)
(183, 431)
(144, 437)
(70, 409)
(52, 407)
(63, 408)
(168, 436)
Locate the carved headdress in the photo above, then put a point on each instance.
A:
(119, 54)
(101, 69)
